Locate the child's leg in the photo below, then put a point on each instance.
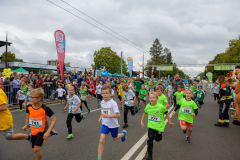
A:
(88, 98)
(145, 103)
(189, 131)
(151, 137)
(86, 104)
(101, 144)
(125, 113)
(20, 104)
(183, 125)
(38, 153)
(78, 117)
(132, 110)
(69, 122)
(120, 135)
(140, 104)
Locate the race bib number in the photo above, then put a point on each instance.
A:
(82, 97)
(154, 118)
(199, 95)
(71, 102)
(105, 111)
(151, 90)
(21, 96)
(35, 122)
(179, 98)
(130, 103)
(186, 110)
(59, 93)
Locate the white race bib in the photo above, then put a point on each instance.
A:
(105, 111)
(35, 122)
(151, 90)
(199, 95)
(71, 102)
(21, 96)
(179, 98)
(186, 110)
(154, 118)
(82, 97)
(144, 98)
(129, 103)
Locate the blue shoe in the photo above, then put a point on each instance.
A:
(53, 132)
(29, 137)
(89, 110)
(124, 135)
(188, 139)
(185, 131)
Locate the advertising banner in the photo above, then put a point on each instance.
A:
(224, 67)
(130, 66)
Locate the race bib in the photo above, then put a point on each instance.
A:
(21, 96)
(199, 95)
(179, 98)
(151, 90)
(59, 93)
(154, 118)
(186, 110)
(129, 103)
(105, 111)
(71, 102)
(35, 122)
(82, 97)
(144, 98)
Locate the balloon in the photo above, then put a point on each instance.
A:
(3, 73)
(11, 73)
(5, 70)
(17, 73)
(9, 70)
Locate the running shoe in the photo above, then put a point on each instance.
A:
(185, 131)
(147, 157)
(19, 110)
(83, 117)
(29, 137)
(124, 135)
(53, 132)
(188, 139)
(219, 124)
(89, 110)
(232, 109)
(125, 125)
(70, 136)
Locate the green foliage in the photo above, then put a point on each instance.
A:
(11, 57)
(107, 59)
(156, 51)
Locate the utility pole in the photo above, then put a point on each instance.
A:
(143, 67)
(121, 63)
(6, 53)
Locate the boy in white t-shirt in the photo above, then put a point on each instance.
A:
(108, 117)
(21, 98)
(128, 99)
(98, 93)
(74, 110)
(61, 92)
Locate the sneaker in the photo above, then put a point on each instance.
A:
(147, 157)
(53, 132)
(83, 117)
(29, 137)
(236, 122)
(125, 125)
(185, 131)
(219, 124)
(89, 110)
(232, 109)
(199, 106)
(188, 139)
(226, 124)
(19, 110)
(124, 135)
(70, 136)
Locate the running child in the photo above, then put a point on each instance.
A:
(151, 88)
(130, 85)
(108, 117)
(98, 93)
(73, 102)
(128, 100)
(37, 119)
(200, 96)
(179, 95)
(84, 94)
(91, 89)
(188, 109)
(215, 89)
(143, 94)
(162, 99)
(194, 88)
(156, 124)
(170, 93)
(27, 100)
(21, 98)
(120, 92)
(60, 92)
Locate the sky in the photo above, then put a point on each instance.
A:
(194, 31)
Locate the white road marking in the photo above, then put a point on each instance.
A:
(131, 152)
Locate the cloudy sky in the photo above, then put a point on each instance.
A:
(194, 31)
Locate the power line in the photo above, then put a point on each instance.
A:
(102, 24)
(93, 25)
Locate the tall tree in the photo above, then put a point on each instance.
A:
(11, 57)
(156, 51)
(107, 59)
(168, 56)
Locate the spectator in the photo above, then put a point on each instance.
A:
(175, 84)
(16, 86)
(47, 86)
(54, 85)
(7, 88)
(204, 84)
(39, 82)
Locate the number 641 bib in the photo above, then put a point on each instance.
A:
(35, 122)
(154, 118)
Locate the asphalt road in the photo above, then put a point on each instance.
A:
(208, 142)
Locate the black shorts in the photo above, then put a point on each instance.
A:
(60, 98)
(99, 96)
(137, 94)
(143, 100)
(200, 102)
(37, 140)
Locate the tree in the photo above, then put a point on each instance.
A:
(11, 57)
(107, 59)
(168, 56)
(156, 51)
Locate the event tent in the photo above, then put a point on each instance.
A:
(20, 70)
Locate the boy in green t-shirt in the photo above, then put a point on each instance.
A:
(200, 96)
(179, 95)
(162, 99)
(188, 109)
(194, 88)
(156, 123)
(143, 94)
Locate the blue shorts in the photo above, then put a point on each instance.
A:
(60, 98)
(106, 130)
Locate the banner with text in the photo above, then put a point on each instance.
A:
(60, 45)
(224, 67)
(130, 66)
(165, 68)
(209, 76)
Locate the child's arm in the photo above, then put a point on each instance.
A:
(143, 117)
(116, 115)
(169, 120)
(100, 119)
(75, 110)
(176, 108)
(17, 96)
(166, 105)
(134, 99)
(47, 133)
(26, 122)
(204, 98)
(65, 108)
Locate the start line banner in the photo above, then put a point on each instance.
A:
(224, 67)
(165, 68)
